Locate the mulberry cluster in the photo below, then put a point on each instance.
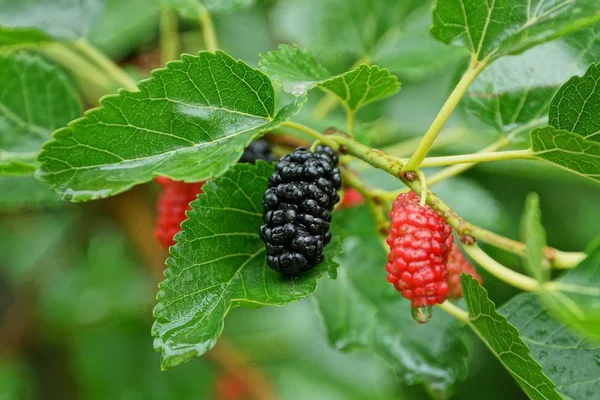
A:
(457, 264)
(297, 209)
(173, 201)
(420, 242)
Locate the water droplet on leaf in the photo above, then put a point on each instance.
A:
(422, 315)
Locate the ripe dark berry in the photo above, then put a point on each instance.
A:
(297, 209)
(172, 203)
(420, 242)
(259, 149)
(457, 264)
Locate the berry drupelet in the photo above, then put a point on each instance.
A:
(420, 242)
(297, 209)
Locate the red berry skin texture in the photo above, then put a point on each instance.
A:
(351, 198)
(457, 264)
(173, 201)
(420, 242)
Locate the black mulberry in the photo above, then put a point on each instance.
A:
(257, 150)
(297, 209)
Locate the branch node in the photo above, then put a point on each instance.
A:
(410, 176)
(467, 239)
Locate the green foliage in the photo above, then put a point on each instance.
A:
(33, 21)
(567, 150)
(219, 263)
(534, 236)
(192, 8)
(298, 71)
(35, 99)
(198, 115)
(576, 104)
(362, 311)
(504, 341)
(494, 29)
(570, 362)
(514, 93)
(115, 35)
(574, 299)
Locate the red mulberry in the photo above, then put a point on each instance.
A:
(173, 201)
(457, 264)
(420, 242)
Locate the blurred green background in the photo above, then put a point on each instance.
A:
(77, 282)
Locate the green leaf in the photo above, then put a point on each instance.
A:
(515, 92)
(567, 150)
(219, 263)
(504, 341)
(575, 297)
(576, 106)
(192, 8)
(362, 311)
(190, 121)
(32, 21)
(571, 363)
(35, 99)
(534, 236)
(298, 71)
(500, 27)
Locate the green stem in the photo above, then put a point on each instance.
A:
(208, 29)
(106, 64)
(393, 165)
(80, 66)
(455, 311)
(478, 158)
(507, 275)
(309, 131)
(351, 122)
(563, 259)
(440, 120)
(169, 35)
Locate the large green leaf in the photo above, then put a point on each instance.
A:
(534, 236)
(515, 91)
(35, 99)
(219, 263)
(575, 298)
(567, 150)
(491, 29)
(190, 121)
(504, 341)
(298, 71)
(571, 363)
(191, 8)
(362, 311)
(32, 21)
(576, 106)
